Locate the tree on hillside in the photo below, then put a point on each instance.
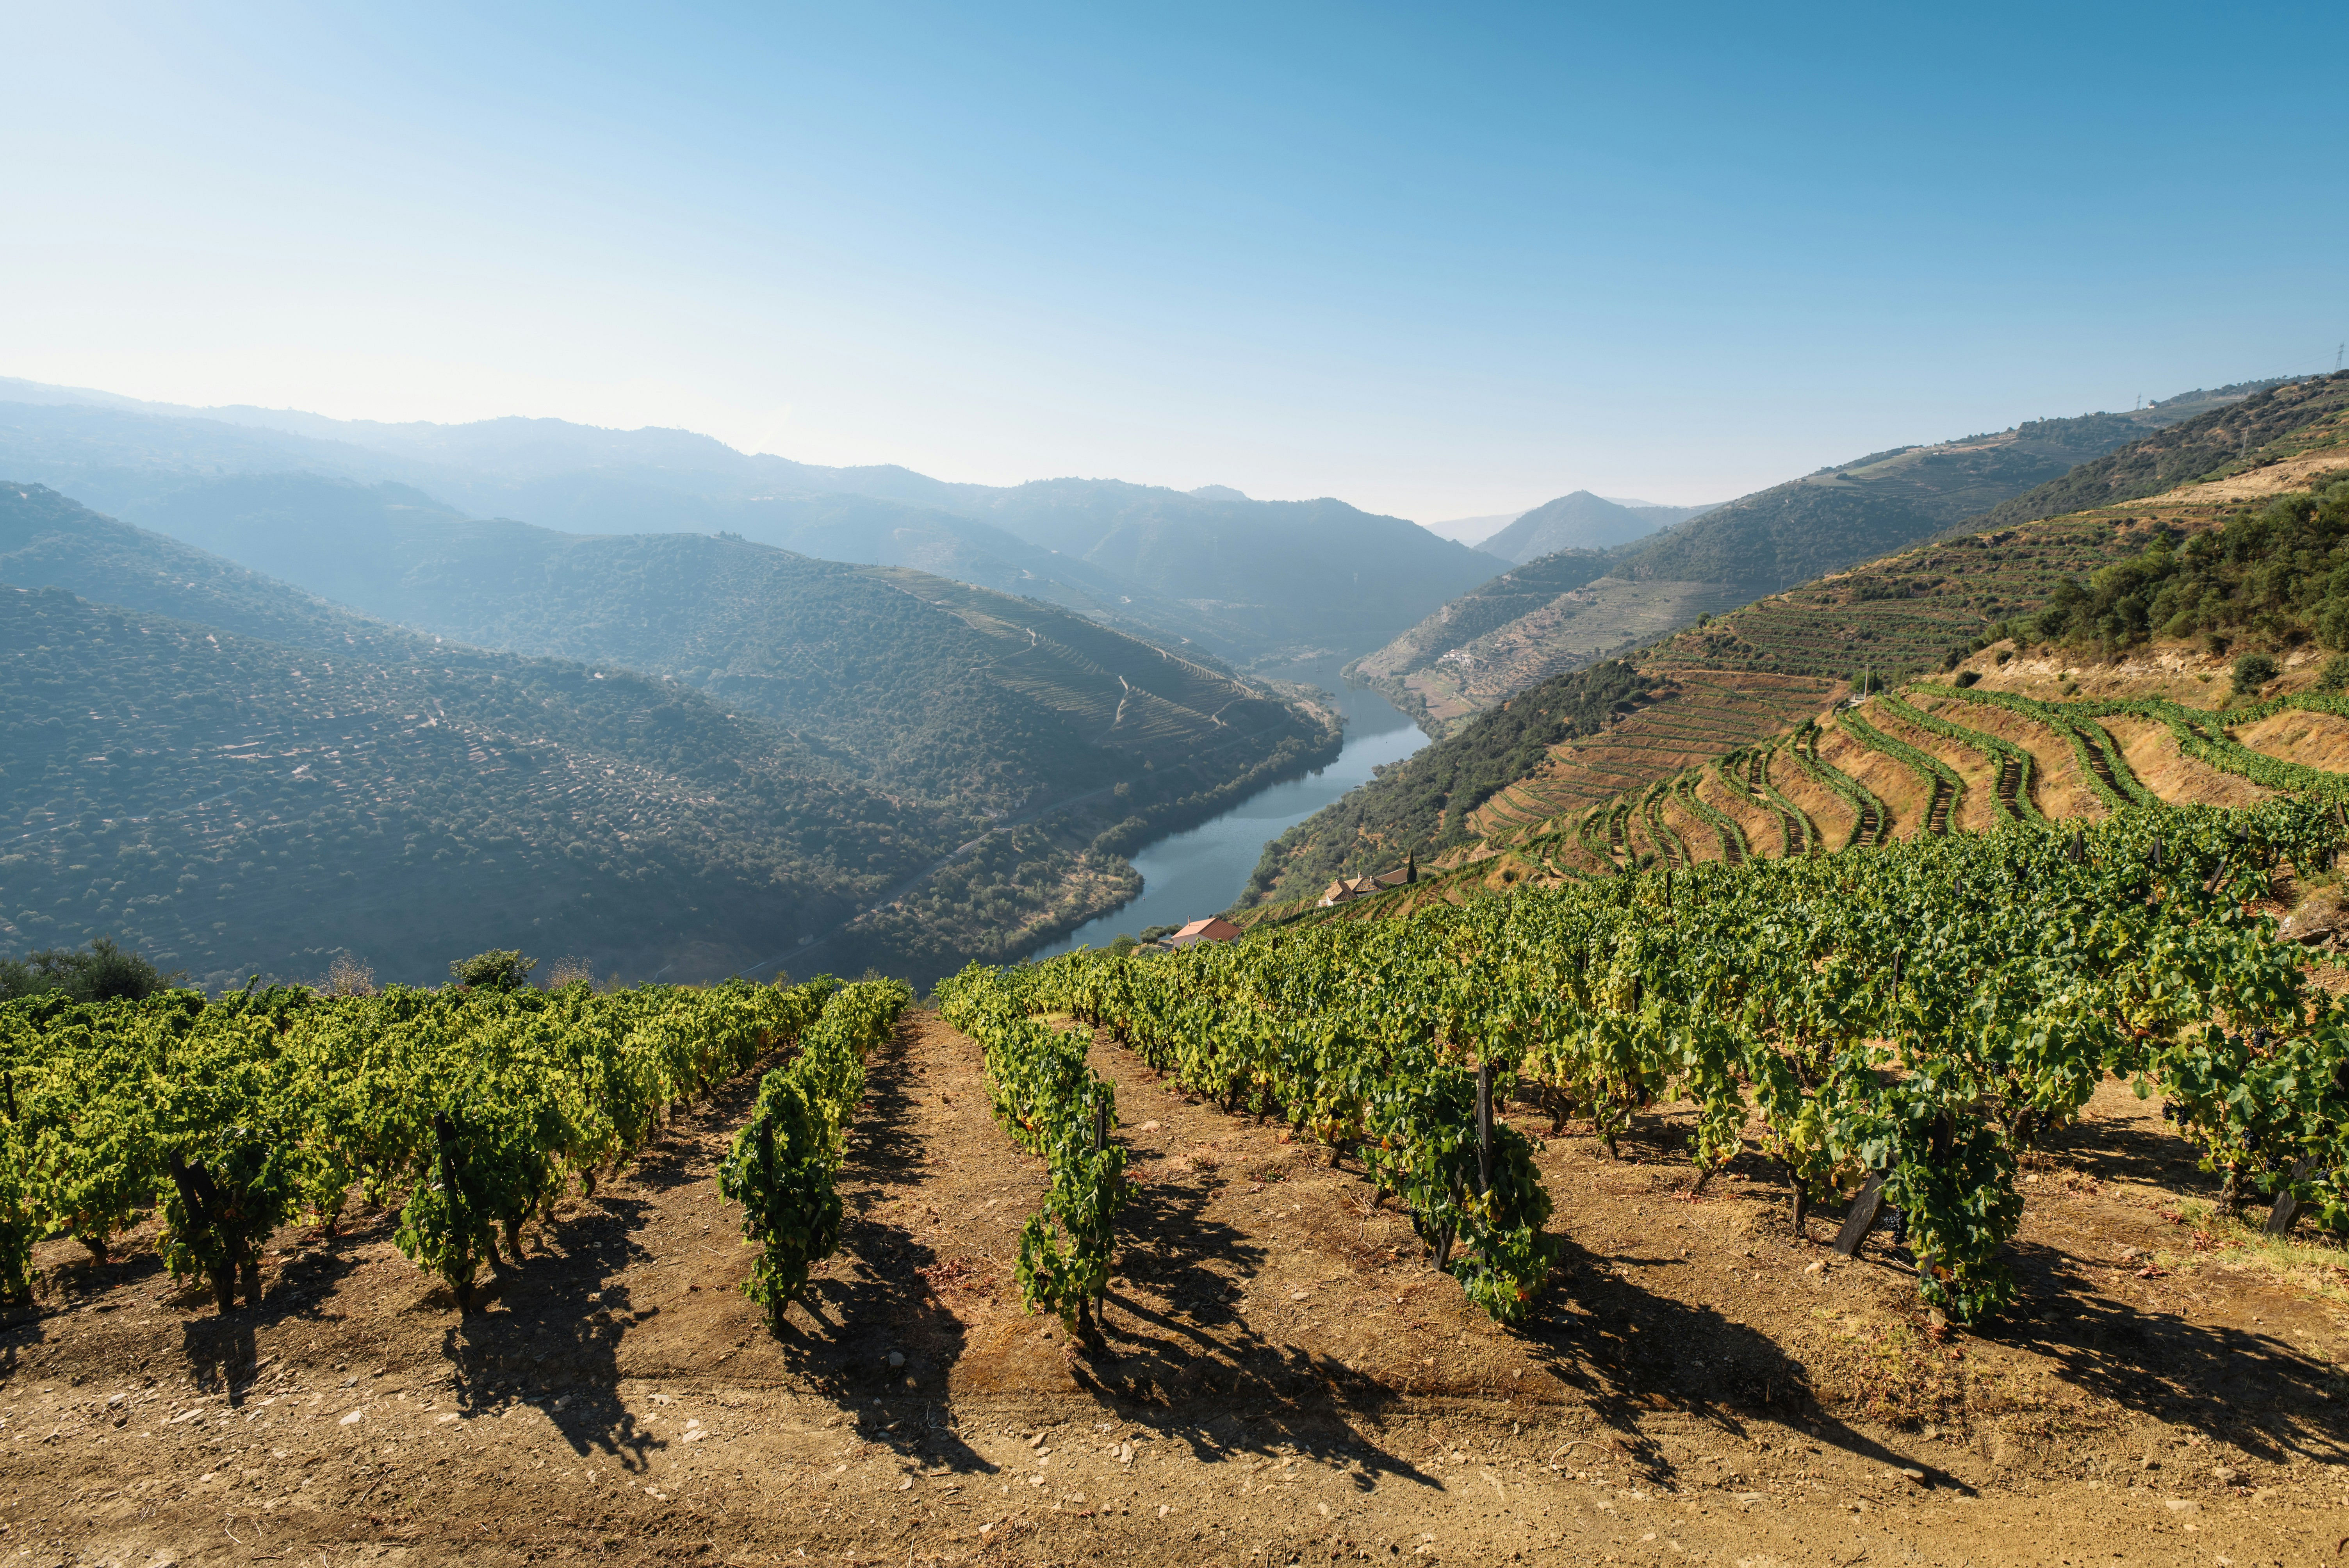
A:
(103, 972)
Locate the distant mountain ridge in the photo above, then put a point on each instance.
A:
(1578, 521)
(1249, 579)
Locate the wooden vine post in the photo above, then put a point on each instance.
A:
(1484, 1127)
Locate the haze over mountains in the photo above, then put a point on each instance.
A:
(1247, 580)
(1581, 521)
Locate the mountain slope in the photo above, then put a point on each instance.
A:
(1752, 546)
(227, 801)
(2216, 443)
(1577, 521)
(978, 702)
(1746, 676)
(1256, 579)
(942, 708)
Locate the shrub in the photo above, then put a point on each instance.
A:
(500, 969)
(2253, 671)
(103, 973)
(2336, 674)
(1967, 678)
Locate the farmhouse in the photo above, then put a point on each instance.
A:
(1349, 888)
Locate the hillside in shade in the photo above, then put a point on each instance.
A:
(909, 769)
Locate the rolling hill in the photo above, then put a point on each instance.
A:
(229, 802)
(998, 753)
(977, 702)
(1674, 708)
(1444, 669)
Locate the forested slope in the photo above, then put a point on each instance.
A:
(971, 764)
(225, 803)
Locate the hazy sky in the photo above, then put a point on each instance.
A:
(1434, 260)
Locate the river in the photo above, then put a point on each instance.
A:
(1200, 871)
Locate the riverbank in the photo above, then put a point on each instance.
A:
(1204, 869)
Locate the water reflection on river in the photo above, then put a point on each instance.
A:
(1201, 872)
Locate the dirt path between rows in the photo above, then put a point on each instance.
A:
(1285, 1380)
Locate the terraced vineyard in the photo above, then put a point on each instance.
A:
(1930, 759)
(1703, 715)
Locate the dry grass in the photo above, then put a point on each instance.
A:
(348, 976)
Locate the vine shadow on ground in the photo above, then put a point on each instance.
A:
(555, 1319)
(1193, 1368)
(1628, 1353)
(2113, 1149)
(222, 1350)
(879, 1298)
(2259, 1393)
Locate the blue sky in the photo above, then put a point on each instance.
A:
(1437, 260)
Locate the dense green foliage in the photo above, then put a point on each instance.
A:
(2277, 571)
(1925, 1010)
(499, 969)
(784, 1165)
(469, 1107)
(101, 972)
(1420, 806)
(1053, 1103)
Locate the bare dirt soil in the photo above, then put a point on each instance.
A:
(1285, 1380)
